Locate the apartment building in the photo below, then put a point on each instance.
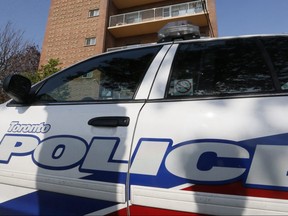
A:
(79, 29)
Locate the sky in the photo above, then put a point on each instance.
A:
(242, 17)
(29, 16)
(234, 17)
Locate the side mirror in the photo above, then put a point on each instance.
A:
(17, 87)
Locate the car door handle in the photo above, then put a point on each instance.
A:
(109, 121)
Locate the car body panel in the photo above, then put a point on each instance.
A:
(167, 150)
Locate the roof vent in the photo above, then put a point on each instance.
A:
(179, 30)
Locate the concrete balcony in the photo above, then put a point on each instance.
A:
(121, 4)
(152, 20)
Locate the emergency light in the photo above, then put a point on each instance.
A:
(179, 30)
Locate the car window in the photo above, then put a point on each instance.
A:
(278, 51)
(113, 76)
(221, 67)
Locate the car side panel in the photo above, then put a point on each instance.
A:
(210, 155)
(217, 156)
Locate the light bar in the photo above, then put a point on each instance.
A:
(179, 30)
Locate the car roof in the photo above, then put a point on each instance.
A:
(231, 37)
(201, 39)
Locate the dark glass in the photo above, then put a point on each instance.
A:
(113, 76)
(220, 67)
(277, 48)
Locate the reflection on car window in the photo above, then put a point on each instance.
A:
(114, 76)
(222, 67)
(278, 51)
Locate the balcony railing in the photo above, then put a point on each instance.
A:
(154, 14)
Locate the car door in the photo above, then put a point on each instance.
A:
(215, 138)
(75, 137)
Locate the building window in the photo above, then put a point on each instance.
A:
(93, 13)
(90, 41)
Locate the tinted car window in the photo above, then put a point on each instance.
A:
(114, 76)
(221, 67)
(277, 48)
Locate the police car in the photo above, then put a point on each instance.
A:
(185, 127)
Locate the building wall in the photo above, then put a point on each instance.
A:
(211, 4)
(68, 26)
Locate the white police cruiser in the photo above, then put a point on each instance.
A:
(192, 126)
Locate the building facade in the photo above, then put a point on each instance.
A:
(79, 29)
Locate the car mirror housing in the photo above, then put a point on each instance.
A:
(17, 87)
